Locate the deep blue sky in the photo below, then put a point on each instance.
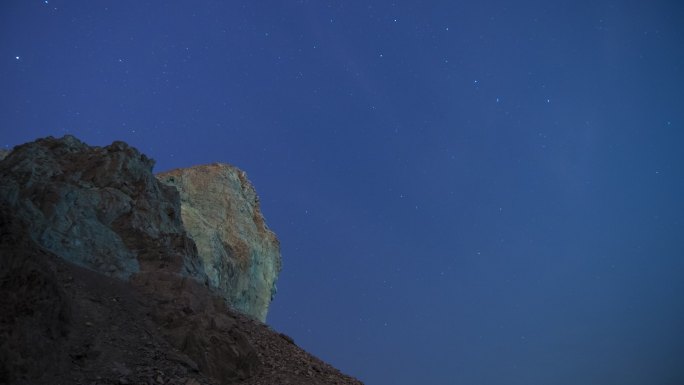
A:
(465, 192)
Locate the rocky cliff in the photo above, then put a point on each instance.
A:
(220, 210)
(98, 207)
(102, 208)
(100, 283)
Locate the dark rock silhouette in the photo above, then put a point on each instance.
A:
(101, 284)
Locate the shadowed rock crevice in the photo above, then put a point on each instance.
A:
(35, 313)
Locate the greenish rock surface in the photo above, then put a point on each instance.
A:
(103, 208)
(98, 207)
(220, 211)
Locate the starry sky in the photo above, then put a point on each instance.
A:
(466, 192)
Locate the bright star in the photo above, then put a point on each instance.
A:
(17, 57)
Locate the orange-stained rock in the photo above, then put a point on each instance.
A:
(220, 211)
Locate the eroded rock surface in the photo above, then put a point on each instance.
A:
(63, 324)
(100, 284)
(98, 207)
(220, 210)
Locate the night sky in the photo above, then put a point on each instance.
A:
(470, 193)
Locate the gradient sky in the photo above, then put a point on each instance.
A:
(481, 192)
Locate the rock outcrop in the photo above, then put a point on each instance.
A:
(220, 211)
(102, 208)
(98, 207)
(100, 283)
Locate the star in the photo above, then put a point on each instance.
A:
(17, 57)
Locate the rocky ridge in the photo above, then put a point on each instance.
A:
(101, 284)
(98, 207)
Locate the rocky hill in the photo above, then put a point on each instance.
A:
(101, 282)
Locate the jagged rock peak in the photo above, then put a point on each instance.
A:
(220, 210)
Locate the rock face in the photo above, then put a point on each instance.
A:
(220, 211)
(102, 208)
(64, 324)
(98, 207)
(99, 282)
